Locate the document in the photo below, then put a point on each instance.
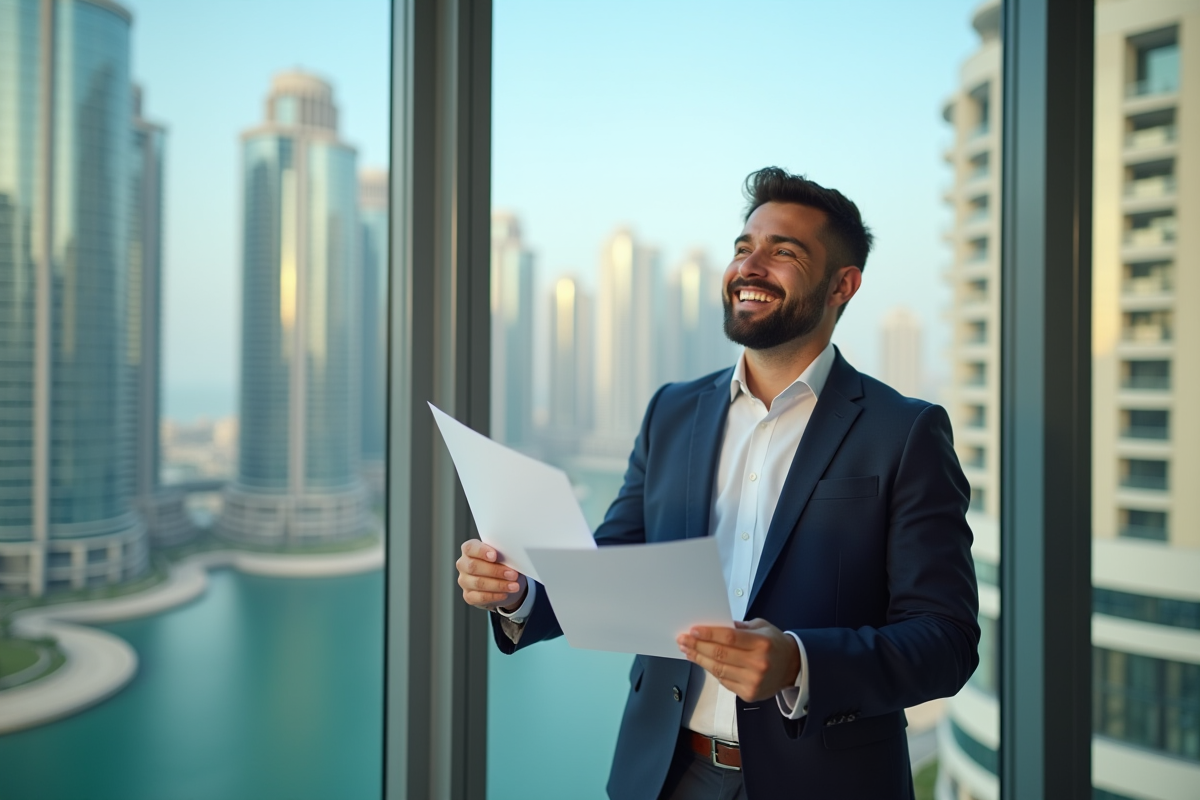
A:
(635, 598)
(517, 501)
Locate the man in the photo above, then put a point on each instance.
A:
(838, 506)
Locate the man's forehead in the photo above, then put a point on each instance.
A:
(783, 218)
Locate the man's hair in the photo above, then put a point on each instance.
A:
(847, 240)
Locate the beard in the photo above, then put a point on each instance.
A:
(791, 318)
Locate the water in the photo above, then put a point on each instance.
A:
(261, 688)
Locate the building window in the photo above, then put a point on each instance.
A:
(1150, 702)
(1144, 473)
(1156, 129)
(1151, 179)
(1146, 375)
(981, 100)
(1138, 524)
(978, 499)
(1148, 327)
(976, 416)
(987, 572)
(976, 750)
(1151, 229)
(1146, 608)
(1145, 423)
(975, 457)
(1156, 63)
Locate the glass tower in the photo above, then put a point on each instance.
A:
(67, 466)
(298, 472)
(373, 216)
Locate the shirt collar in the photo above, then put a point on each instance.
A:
(814, 375)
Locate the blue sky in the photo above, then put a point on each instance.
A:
(640, 113)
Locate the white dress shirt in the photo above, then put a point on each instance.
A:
(756, 455)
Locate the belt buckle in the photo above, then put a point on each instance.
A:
(713, 742)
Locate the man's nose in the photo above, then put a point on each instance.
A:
(752, 265)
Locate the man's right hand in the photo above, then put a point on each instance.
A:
(485, 583)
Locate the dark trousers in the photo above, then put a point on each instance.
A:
(694, 777)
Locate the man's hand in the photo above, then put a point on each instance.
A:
(754, 659)
(485, 583)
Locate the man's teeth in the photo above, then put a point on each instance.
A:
(746, 294)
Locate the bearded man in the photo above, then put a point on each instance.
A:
(838, 506)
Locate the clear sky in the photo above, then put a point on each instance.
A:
(645, 113)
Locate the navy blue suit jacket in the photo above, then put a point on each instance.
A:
(867, 560)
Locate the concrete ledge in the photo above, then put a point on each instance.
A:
(98, 664)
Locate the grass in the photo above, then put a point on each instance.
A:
(18, 654)
(925, 780)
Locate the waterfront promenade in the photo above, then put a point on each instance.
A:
(99, 664)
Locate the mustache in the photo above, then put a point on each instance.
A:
(737, 284)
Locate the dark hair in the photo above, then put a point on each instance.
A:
(847, 240)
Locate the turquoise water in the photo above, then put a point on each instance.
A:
(261, 688)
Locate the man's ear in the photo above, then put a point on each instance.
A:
(845, 285)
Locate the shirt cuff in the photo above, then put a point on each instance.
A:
(513, 622)
(793, 701)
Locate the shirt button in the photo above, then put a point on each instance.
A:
(753, 476)
(739, 592)
(745, 536)
(762, 425)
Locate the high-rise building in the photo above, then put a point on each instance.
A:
(626, 339)
(298, 455)
(512, 332)
(571, 363)
(691, 339)
(1145, 396)
(373, 251)
(1145, 459)
(969, 736)
(900, 344)
(68, 466)
(162, 509)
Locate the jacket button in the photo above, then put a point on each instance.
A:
(850, 718)
(678, 695)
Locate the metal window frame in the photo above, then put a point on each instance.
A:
(1046, 363)
(435, 692)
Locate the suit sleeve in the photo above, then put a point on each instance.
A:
(624, 523)
(928, 646)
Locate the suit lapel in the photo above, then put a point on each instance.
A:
(831, 420)
(708, 430)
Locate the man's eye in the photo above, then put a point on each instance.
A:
(787, 253)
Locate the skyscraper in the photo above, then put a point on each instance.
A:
(571, 363)
(66, 519)
(298, 472)
(691, 339)
(512, 332)
(162, 509)
(627, 331)
(1146, 383)
(900, 344)
(373, 252)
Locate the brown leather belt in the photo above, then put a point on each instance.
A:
(723, 753)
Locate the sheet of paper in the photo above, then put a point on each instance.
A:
(517, 501)
(635, 598)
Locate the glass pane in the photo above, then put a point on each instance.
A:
(1145, 462)
(192, 260)
(622, 137)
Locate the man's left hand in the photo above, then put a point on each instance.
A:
(754, 659)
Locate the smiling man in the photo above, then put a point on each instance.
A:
(838, 507)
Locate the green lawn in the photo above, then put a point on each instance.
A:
(925, 780)
(19, 654)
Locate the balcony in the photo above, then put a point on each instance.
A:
(1160, 232)
(1156, 483)
(1151, 87)
(1152, 282)
(1151, 138)
(1152, 432)
(1147, 383)
(1143, 532)
(1155, 187)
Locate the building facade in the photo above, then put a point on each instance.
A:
(373, 254)
(1146, 378)
(900, 345)
(298, 456)
(67, 462)
(512, 332)
(571, 327)
(691, 339)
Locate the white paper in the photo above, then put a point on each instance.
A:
(517, 501)
(635, 598)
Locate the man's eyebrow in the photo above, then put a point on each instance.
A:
(777, 239)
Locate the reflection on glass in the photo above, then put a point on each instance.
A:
(126, 648)
(1145, 462)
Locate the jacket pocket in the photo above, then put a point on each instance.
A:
(866, 730)
(635, 673)
(843, 488)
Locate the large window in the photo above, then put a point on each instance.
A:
(193, 240)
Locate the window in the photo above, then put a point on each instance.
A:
(1147, 608)
(1139, 524)
(1149, 702)
(1144, 473)
(1146, 375)
(1156, 63)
